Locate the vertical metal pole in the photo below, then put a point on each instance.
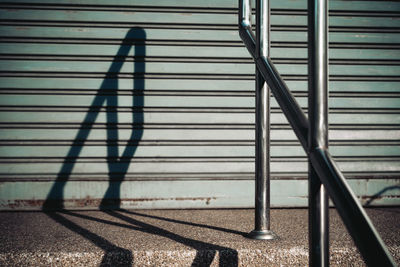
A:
(318, 133)
(262, 190)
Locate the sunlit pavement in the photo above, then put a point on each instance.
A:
(176, 238)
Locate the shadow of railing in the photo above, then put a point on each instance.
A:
(116, 256)
(118, 167)
(380, 194)
(205, 252)
(108, 95)
(113, 255)
(185, 223)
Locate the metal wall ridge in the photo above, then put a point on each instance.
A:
(159, 95)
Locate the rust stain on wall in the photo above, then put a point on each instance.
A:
(94, 203)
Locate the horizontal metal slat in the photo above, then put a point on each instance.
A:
(192, 59)
(96, 35)
(186, 84)
(190, 127)
(178, 18)
(375, 6)
(183, 101)
(186, 68)
(185, 118)
(292, 7)
(197, 151)
(107, 52)
(193, 133)
(246, 168)
(145, 194)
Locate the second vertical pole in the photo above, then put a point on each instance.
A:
(318, 131)
(262, 169)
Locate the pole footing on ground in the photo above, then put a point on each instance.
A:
(262, 235)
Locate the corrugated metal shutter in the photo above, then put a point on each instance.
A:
(153, 102)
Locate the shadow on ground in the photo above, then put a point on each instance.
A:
(118, 256)
(118, 167)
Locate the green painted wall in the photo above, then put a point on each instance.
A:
(152, 102)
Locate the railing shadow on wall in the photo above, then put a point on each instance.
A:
(118, 168)
(381, 194)
(107, 96)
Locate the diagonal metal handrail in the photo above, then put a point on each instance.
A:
(357, 222)
(285, 99)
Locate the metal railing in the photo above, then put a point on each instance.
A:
(325, 178)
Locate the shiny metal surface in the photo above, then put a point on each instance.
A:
(262, 28)
(245, 15)
(245, 31)
(262, 223)
(262, 235)
(353, 215)
(318, 131)
(318, 217)
(290, 107)
(357, 222)
(262, 161)
(295, 115)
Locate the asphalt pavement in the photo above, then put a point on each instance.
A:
(176, 238)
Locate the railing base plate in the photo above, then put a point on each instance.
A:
(262, 235)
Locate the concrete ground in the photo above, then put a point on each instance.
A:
(175, 238)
